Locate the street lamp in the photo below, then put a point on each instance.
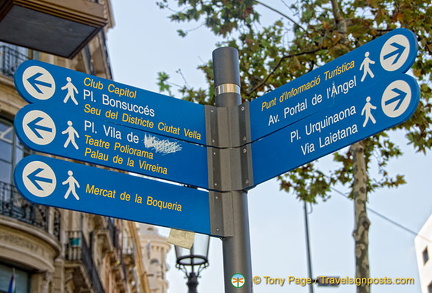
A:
(193, 261)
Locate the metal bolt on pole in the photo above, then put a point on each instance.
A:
(236, 248)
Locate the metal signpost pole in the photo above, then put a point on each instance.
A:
(236, 248)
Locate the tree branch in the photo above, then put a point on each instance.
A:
(278, 65)
(340, 21)
(280, 13)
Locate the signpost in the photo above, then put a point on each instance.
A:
(78, 187)
(53, 86)
(91, 119)
(86, 138)
(357, 117)
(361, 70)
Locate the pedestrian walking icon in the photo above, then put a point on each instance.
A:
(367, 112)
(365, 66)
(72, 184)
(71, 90)
(72, 133)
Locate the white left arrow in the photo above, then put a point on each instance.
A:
(39, 127)
(39, 179)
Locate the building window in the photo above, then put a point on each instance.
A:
(425, 255)
(22, 279)
(11, 56)
(11, 151)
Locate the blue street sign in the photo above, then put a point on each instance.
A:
(361, 69)
(86, 138)
(352, 119)
(46, 84)
(73, 186)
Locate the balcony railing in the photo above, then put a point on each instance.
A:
(15, 206)
(10, 59)
(77, 250)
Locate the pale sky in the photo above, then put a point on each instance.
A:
(144, 42)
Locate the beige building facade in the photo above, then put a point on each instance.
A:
(423, 248)
(155, 250)
(50, 250)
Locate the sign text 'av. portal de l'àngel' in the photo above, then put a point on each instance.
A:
(86, 138)
(46, 84)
